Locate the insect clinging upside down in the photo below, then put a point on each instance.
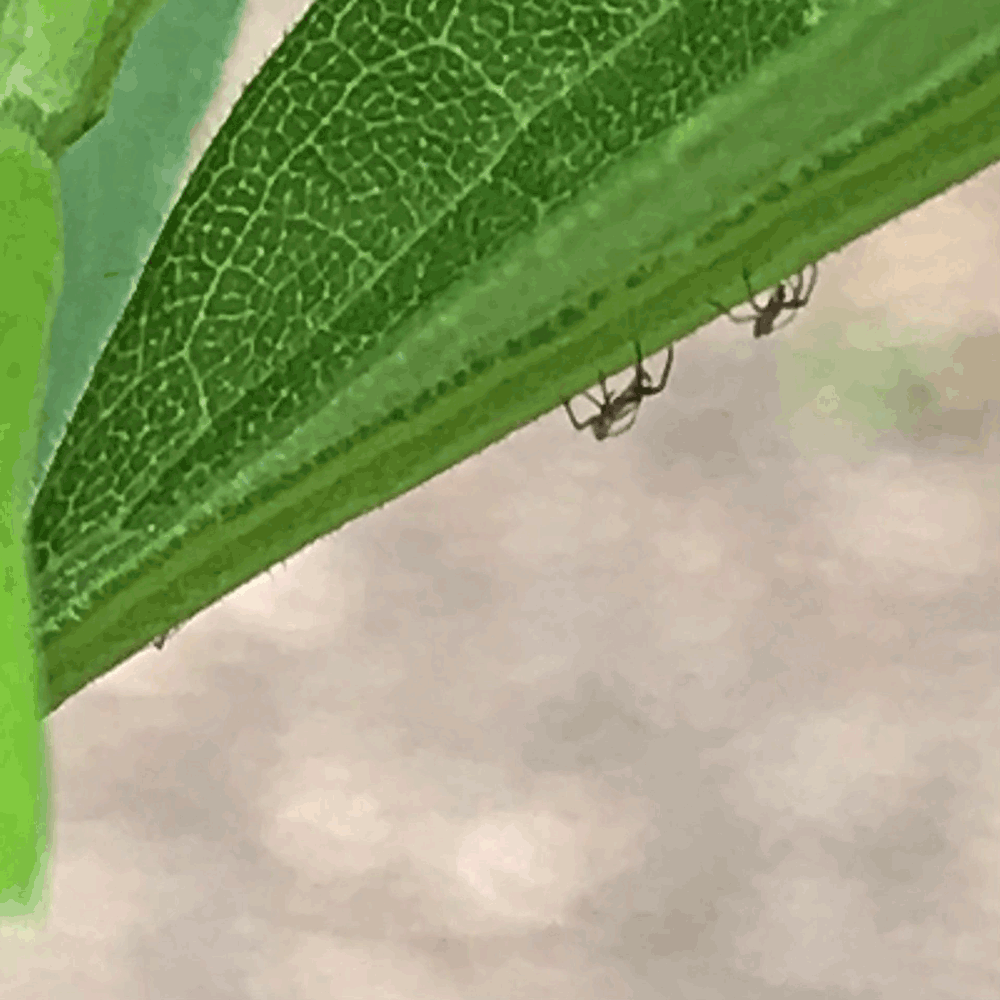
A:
(160, 641)
(792, 298)
(626, 403)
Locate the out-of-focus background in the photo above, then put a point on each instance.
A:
(707, 711)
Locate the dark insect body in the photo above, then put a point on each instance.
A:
(160, 641)
(625, 404)
(791, 297)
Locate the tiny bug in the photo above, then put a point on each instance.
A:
(160, 641)
(782, 298)
(625, 404)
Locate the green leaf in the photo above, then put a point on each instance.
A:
(424, 224)
(31, 266)
(59, 60)
(119, 182)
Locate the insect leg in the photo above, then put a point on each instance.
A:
(604, 389)
(750, 292)
(622, 430)
(666, 372)
(734, 318)
(641, 375)
(573, 420)
(812, 283)
(785, 322)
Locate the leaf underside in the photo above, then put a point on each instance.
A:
(424, 224)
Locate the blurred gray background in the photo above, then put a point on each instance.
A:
(707, 711)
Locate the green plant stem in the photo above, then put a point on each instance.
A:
(31, 266)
